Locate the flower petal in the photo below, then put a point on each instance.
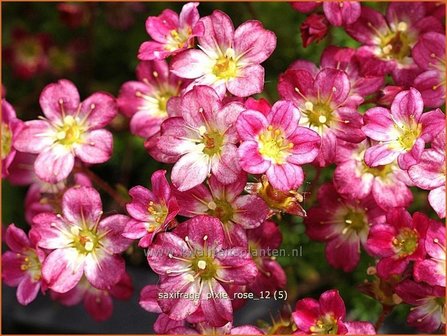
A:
(59, 99)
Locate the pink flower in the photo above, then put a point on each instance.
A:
(236, 212)
(397, 242)
(203, 139)
(314, 28)
(97, 302)
(401, 132)
(353, 178)
(261, 240)
(204, 328)
(276, 145)
(10, 127)
(151, 211)
(337, 13)
(429, 173)
(28, 54)
(195, 262)
(21, 266)
(146, 101)
(388, 40)
(429, 54)
(70, 129)
(326, 316)
(323, 98)
(428, 311)
(80, 243)
(228, 59)
(432, 269)
(343, 223)
(171, 33)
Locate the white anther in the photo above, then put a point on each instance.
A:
(212, 205)
(402, 26)
(189, 277)
(89, 246)
(309, 106)
(202, 130)
(322, 119)
(201, 264)
(74, 230)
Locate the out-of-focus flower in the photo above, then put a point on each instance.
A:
(28, 53)
(74, 15)
(81, 243)
(402, 132)
(397, 242)
(428, 311)
(70, 129)
(344, 224)
(203, 139)
(196, 262)
(270, 276)
(327, 316)
(429, 173)
(97, 302)
(171, 33)
(122, 15)
(146, 101)
(338, 13)
(228, 59)
(429, 54)
(314, 28)
(276, 145)
(324, 100)
(388, 184)
(151, 211)
(21, 266)
(10, 127)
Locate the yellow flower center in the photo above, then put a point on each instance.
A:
(396, 45)
(6, 140)
(212, 141)
(31, 264)
(326, 324)
(318, 114)
(178, 39)
(273, 145)
(85, 240)
(221, 209)
(204, 266)
(379, 171)
(159, 213)
(225, 67)
(355, 220)
(70, 132)
(406, 242)
(408, 134)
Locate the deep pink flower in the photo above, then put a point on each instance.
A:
(81, 243)
(171, 33)
(326, 316)
(338, 13)
(261, 240)
(204, 328)
(276, 145)
(21, 170)
(397, 242)
(428, 311)
(146, 101)
(353, 178)
(28, 53)
(21, 266)
(323, 97)
(432, 269)
(97, 302)
(151, 211)
(389, 39)
(195, 262)
(225, 202)
(429, 54)
(228, 59)
(314, 28)
(429, 173)
(402, 132)
(10, 127)
(343, 223)
(70, 129)
(203, 139)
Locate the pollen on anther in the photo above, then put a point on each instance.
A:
(155, 74)
(61, 101)
(170, 255)
(205, 237)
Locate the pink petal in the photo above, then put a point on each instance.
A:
(51, 231)
(218, 311)
(366, 28)
(249, 81)
(333, 83)
(251, 211)
(380, 239)
(428, 44)
(112, 228)
(59, 99)
(429, 84)
(159, 27)
(306, 145)
(250, 123)
(144, 124)
(406, 160)
(428, 173)
(36, 130)
(380, 155)
(284, 116)
(148, 299)
(12, 273)
(390, 266)
(82, 204)
(250, 159)
(97, 147)
(99, 109)
(429, 271)
(219, 32)
(16, 239)
(254, 42)
(103, 270)
(98, 305)
(432, 124)
(199, 106)
(226, 168)
(407, 106)
(409, 12)
(379, 124)
(190, 64)
(436, 198)
(306, 313)
(54, 164)
(391, 194)
(332, 303)
(152, 50)
(62, 269)
(190, 170)
(339, 14)
(27, 290)
(343, 253)
(189, 14)
(285, 177)
(360, 328)
(296, 80)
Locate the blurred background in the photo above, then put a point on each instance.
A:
(95, 46)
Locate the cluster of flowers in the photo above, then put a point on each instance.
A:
(196, 112)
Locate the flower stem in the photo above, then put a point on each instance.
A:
(386, 310)
(104, 186)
